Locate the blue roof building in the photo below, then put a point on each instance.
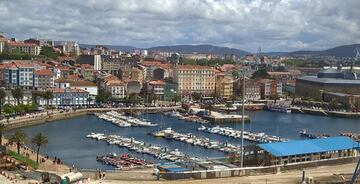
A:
(310, 150)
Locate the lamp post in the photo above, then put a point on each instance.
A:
(242, 122)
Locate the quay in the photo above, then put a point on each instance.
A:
(249, 136)
(217, 117)
(321, 112)
(58, 114)
(196, 141)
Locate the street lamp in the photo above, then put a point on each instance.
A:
(242, 121)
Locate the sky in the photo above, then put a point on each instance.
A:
(273, 25)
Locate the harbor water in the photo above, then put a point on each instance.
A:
(67, 138)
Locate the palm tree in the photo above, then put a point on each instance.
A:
(18, 94)
(333, 103)
(2, 98)
(2, 130)
(39, 140)
(89, 99)
(18, 138)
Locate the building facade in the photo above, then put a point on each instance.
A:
(27, 48)
(270, 89)
(44, 79)
(67, 97)
(194, 79)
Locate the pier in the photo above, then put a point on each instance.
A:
(249, 136)
(196, 141)
(140, 147)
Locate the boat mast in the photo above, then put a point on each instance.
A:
(242, 122)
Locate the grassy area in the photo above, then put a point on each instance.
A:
(23, 159)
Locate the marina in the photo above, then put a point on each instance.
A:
(141, 147)
(72, 146)
(197, 141)
(124, 161)
(123, 121)
(249, 136)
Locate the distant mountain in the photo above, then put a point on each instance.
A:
(340, 51)
(203, 49)
(115, 47)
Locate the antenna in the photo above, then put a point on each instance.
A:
(357, 56)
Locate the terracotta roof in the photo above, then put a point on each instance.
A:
(86, 66)
(62, 68)
(192, 67)
(149, 63)
(74, 90)
(114, 82)
(22, 44)
(45, 72)
(75, 77)
(157, 82)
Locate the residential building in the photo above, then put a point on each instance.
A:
(69, 47)
(67, 97)
(44, 79)
(9, 99)
(3, 42)
(93, 60)
(156, 88)
(129, 73)
(116, 87)
(85, 85)
(224, 86)
(20, 74)
(198, 79)
(252, 89)
(2, 74)
(27, 48)
(270, 88)
(87, 71)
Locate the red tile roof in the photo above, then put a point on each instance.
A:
(43, 72)
(157, 82)
(74, 90)
(22, 44)
(192, 67)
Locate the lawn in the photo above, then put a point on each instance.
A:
(23, 159)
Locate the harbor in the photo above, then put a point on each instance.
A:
(198, 141)
(249, 136)
(75, 149)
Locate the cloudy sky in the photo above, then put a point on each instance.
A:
(275, 25)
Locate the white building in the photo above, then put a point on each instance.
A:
(19, 74)
(67, 97)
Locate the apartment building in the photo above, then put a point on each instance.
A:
(270, 88)
(3, 42)
(224, 86)
(67, 97)
(20, 74)
(252, 89)
(27, 48)
(157, 88)
(44, 79)
(194, 79)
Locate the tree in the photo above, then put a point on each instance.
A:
(275, 97)
(3, 128)
(18, 138)
(103, 96)
(133, 99)
(196, 96)
(39, 140)
(8, 109)
(333, 103)
(177, 98)
(357, 105)
(235, 74)
(2, 99)
(228, 106)
(18, 94)
(48, 95)
(260, 74)
(49, 52)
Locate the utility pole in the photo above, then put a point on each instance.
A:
(242, 122)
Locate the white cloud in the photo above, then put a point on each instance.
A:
(275, 25)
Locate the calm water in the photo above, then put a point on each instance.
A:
(67, 138)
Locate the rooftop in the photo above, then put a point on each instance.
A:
(45, 72)
(328, 80)
(299, 147)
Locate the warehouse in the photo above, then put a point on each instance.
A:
(282, 153)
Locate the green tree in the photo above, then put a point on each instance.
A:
(275, 97)
(260, 74)
(18, 94)
(19, 138)
(133, 99)
(39, 140)
(333, 103)
(3, 128)
(103, 96)
(196, 96)
(2, 99)
(235, 74)
(357, 105)
(228, 106)
(48, 95)
(8, 109)
(49, 52)
(177, 98)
